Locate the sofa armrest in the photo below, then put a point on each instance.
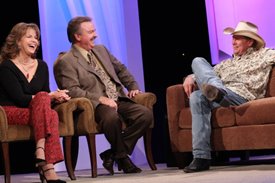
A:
(3, 124)
(176, 100)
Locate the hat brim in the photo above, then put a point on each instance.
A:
(252, 35)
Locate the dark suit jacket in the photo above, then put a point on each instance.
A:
(72, 72)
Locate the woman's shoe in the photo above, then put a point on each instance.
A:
(43, 177)
(38, 161)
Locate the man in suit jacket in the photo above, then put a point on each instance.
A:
(91, 71)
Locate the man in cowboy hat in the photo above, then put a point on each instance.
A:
(233, 81)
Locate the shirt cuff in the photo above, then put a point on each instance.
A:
(193, 76)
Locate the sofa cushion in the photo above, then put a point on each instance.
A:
(221, 117)
(256, 112)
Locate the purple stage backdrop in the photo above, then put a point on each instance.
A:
(227, 13)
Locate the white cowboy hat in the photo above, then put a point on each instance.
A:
(246, 29)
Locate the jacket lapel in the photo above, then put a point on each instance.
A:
(82, 61)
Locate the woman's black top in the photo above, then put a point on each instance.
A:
(15, 89)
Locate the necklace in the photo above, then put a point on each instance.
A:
(26, 71)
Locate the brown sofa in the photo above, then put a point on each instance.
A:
(250, 126)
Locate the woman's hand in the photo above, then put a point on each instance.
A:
(60, 96)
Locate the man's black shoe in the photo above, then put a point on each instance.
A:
(197, 165)
(108, 161)
(127, 165)
(214, 94)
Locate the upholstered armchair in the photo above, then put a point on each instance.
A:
(12, 133)
(85, 125)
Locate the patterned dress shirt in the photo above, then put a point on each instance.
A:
(248, 74)
(105, 78)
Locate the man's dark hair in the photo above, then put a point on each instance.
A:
(74, 27)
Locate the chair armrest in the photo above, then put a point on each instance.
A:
(85, 118)
(65, 113)
(84, 114)
(147, 99)
(3, 124)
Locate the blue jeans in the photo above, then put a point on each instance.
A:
(201, 108)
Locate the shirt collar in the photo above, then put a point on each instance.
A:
(248, 52)
(83, 52)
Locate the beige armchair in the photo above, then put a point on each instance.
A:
(85, 125)
(13, 133)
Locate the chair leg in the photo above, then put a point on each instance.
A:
(67, 147)
(148, 149)
(74, 150)
(92, 150)
(6, 159)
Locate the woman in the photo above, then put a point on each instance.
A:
(26, 97)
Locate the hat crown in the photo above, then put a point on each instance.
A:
(246, 26)
(246, 29)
